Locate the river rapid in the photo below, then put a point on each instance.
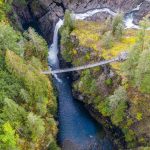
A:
(77, 129)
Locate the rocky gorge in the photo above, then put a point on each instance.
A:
(47, 13)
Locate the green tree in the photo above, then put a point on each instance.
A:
(24, 95)
(118, 105)
(142, 72)
(118, 96)
(8, 138)
(65, 31)
(5, 7)
(68, 21)
(35, 125)
(118, 26)
(9, 85)
(130, 64)
(38, 85)
(35, 45)
(9, 39)
(13, 113)
(134, 56)
(87, 84)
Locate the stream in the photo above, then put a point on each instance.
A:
(77, 129)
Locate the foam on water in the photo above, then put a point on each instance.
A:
(129, 22)
(81, 16)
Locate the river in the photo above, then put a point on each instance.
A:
(77, 129)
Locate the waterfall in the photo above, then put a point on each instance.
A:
(53, 50)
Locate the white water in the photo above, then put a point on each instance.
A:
(129, 19)
(53, 50)
(81, 16)
(129, 22)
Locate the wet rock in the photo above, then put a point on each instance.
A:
(47, 13)
(47, 25)
(23, 12)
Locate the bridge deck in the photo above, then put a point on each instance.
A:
(81, 67)
(121, 57)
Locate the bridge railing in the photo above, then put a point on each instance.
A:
(121, 57)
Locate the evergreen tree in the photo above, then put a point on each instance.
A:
(142, 72)
(35, 125)
(118, 26)
(9, 39)
(35, 45)
(117, 105)
(66, 43)
(135, 52)
(13, 113)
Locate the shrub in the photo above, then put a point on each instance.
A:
(103, 108)
(108, 82)
(139, 116)
(129, 135)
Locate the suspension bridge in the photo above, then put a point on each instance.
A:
(121, 57)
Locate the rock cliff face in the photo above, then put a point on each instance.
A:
(47, 12)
